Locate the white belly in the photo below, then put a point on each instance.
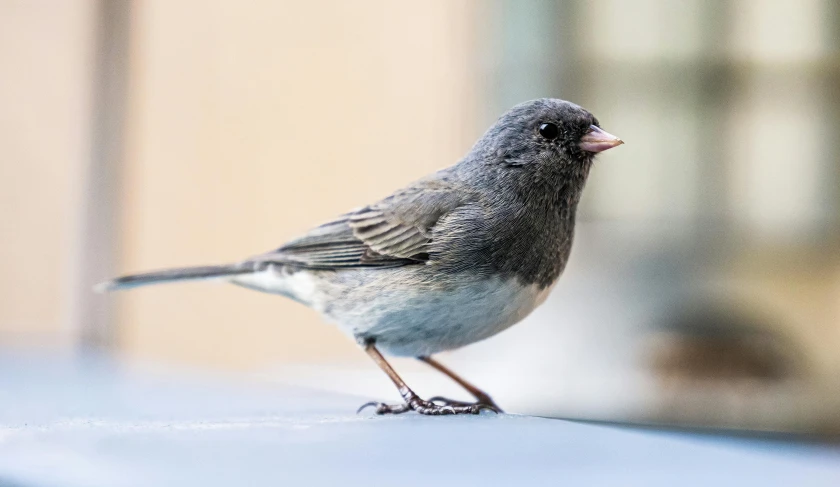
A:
(424, 323)
(406, 319)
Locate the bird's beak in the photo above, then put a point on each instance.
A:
(596, 140)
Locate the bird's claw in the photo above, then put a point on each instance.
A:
(485, 403)
(429, 408)
(382, 408)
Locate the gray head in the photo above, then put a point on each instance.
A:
(542, 149)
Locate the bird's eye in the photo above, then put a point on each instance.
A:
(549, 131)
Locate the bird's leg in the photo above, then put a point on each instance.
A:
(482, 397)
(412, 400)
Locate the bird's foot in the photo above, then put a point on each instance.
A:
(485, 402)
(414, 403)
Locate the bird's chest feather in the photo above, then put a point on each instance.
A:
(531, 245)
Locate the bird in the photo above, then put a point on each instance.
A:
(449, 260)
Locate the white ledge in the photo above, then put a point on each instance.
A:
(91, 423)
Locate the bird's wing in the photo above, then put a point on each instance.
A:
(394, 232)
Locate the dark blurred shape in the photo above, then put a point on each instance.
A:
(720, 364)
(721, 342)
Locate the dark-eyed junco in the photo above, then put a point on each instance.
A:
(449, 260)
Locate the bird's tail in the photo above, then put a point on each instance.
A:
(173, 275)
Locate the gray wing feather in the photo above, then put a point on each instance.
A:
(393, 232)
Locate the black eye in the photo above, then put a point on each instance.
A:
(549, 131)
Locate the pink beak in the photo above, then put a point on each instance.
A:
(596, 140)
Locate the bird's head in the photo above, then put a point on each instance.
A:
(543, 142)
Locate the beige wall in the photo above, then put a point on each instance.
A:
(250, 122)
(45, 72)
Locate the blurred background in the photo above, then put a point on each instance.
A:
(704, 286)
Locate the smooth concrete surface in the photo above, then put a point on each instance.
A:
(83, 421)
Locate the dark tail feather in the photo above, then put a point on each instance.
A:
(172, 275)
